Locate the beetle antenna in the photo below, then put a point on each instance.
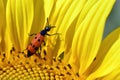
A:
(53, 26)
(47, 21)
(49, 24)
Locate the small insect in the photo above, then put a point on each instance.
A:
(38, 40)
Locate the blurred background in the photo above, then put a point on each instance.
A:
(113, 20)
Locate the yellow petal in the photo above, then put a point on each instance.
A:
(74, 56)
(48, 6)
(83, 8)
(87, 7)
(104, 48)
(24, 17)
(10, 23)
(58, 14)
(109, 63)
(19, 21)
(67, 28)
(62, 23)
(39, 18)
(89, 34)
(2, 26)
(59, 11)
(114, 75)
(93, 34)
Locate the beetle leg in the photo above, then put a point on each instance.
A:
(44, 43)
(32, 34)
(39, 50)
(53, 34)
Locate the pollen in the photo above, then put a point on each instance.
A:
(34, 67)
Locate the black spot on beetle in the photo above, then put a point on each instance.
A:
(35, 37)
(33, 46)
(38, 40)
(36, 48)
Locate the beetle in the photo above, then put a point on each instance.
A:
(38, 40)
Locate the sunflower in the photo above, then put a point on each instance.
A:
(76, 51)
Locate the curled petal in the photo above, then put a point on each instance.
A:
(67, 27)
(114, 75)
(89, 35)
(109, 63)
(104, 48)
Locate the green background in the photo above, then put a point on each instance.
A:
(113, 20)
